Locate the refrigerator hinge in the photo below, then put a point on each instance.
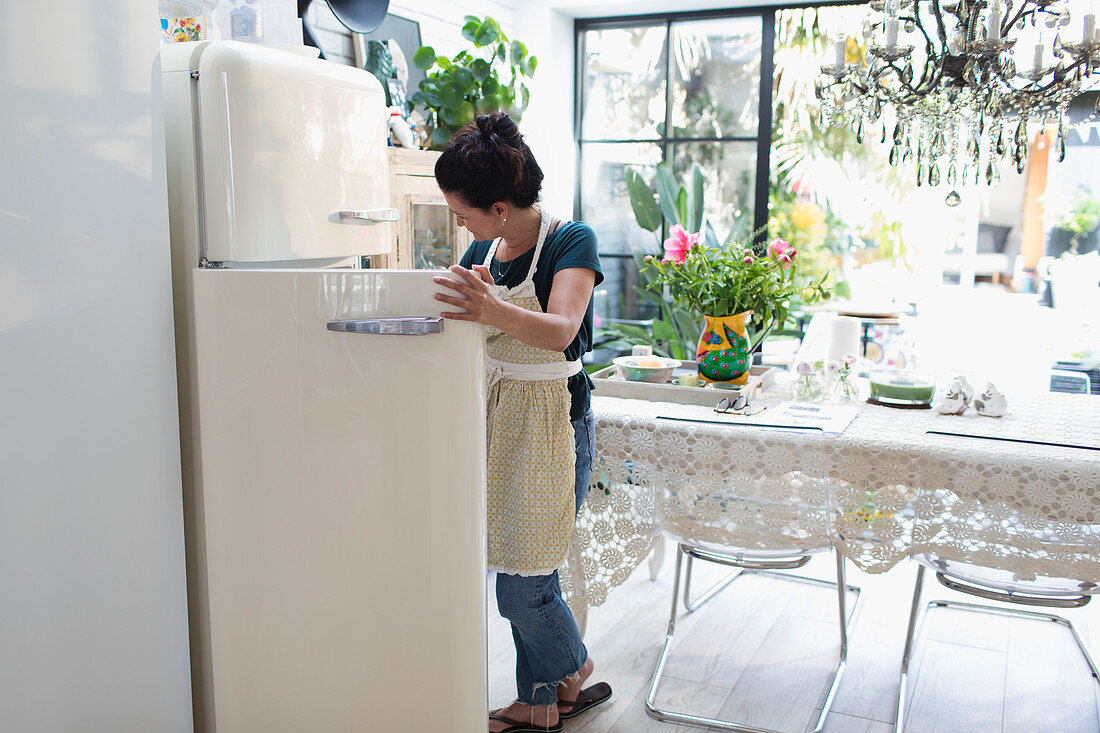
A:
(194, 75)
(211, 264)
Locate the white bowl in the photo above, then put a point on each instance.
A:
(631, 371)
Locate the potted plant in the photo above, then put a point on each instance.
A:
(1079, 222)
(734, 288)
(470, 83)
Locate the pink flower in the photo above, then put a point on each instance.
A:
(748, 259)
(678, 244)
(596, 320)
(781, 251)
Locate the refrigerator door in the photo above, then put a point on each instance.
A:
(340, 506)
(292, 155)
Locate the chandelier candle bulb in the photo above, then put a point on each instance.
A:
(840, 51)
(994, 30)
(1038, 66)
(891, 34)
(1090, 28)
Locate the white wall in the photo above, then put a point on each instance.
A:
(93, 624)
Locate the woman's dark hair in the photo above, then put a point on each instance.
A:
(487, 161)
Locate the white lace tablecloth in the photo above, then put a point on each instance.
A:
(892, 489)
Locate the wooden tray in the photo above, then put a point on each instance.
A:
(609, 383)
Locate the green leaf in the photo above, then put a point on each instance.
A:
(487, 34)
(442, 135)
(663, 331)
(469, 31)
(529, 65)
(517, 52)
(444, 63)
(711, 237)
(417, 98)
(464, 115)
(452, 95)
(682, 205)
(490, 86)
(424, 58)
(489, 103)
(666, 190)
(433, 98)
(481, 69)
(695, 198)
(642, 201)
(471, 19)
(464, 78)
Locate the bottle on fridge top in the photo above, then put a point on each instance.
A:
(246, 21)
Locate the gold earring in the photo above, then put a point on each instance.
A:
(504, 220)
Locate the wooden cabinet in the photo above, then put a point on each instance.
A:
(427, 235)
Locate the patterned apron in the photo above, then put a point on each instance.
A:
(532, 450)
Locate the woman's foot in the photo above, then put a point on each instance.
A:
(540, 716)
(570, 688)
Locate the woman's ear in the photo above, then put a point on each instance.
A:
(500, 210)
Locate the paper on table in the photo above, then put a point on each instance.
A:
(830, 418)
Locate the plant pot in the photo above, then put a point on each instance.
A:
(723, 352)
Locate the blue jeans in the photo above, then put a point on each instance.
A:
(548, 645)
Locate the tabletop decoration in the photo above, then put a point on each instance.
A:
(741, 290)
(991, 403)
(846, 389)
(959, 396)
(807, 388)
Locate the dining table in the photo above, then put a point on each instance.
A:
(1020, 492)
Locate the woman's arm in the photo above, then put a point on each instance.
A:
(553, 330)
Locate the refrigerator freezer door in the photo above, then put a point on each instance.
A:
(288, 143)
(340, 504)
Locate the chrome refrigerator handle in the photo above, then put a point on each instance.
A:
(413, 326)
(365, 216)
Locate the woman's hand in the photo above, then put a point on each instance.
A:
(476, 295)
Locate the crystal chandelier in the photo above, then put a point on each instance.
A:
(959, 96)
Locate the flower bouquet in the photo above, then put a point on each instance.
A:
(734, 288)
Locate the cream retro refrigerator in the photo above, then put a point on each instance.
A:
(333, 426)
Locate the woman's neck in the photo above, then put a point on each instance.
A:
(520, 233)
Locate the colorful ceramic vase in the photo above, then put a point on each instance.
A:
(723, 353)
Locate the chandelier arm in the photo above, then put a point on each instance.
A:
(929, 48)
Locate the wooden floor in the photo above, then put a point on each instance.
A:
(761, 651)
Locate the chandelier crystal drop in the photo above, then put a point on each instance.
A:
(954, 88)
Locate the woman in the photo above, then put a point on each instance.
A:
(529, 278)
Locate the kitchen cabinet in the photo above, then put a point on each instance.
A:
(427, 236)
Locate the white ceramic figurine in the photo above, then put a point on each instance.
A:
(991, 402)
(956, 399)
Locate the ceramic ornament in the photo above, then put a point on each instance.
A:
(956, 400)
(991, 402)
(966, 390)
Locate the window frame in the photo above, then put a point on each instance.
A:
(767, 16)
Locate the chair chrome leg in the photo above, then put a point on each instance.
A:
(845, 622)
(916, 619)
(910, 634)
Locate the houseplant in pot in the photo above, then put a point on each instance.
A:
(741, 292)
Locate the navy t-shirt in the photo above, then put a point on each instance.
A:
(572, 244)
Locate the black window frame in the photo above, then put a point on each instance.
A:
(767, 14)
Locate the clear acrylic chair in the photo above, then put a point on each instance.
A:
(752, 499)
(1046, 550)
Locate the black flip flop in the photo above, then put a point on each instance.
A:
(517, 726)
(589, 697)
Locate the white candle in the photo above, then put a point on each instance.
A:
(1038, 66)
(838, 67)
(994, 33)
(891, 34)
(843, 338)
(1090, 28)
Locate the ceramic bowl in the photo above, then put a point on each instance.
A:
(631, 371)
